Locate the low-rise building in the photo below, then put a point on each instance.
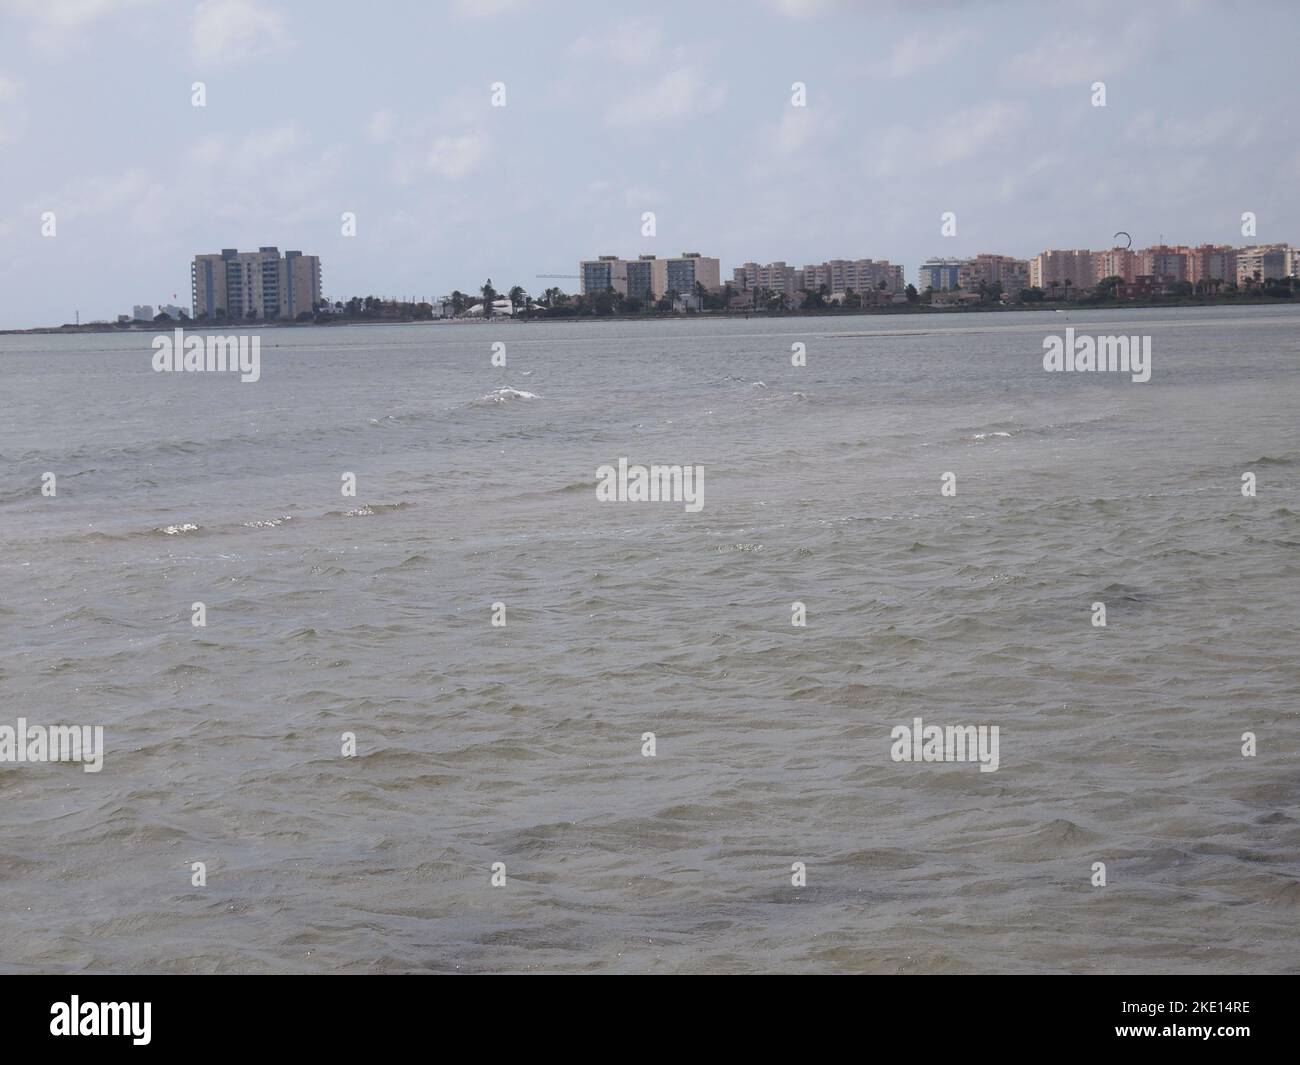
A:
(1142, 287)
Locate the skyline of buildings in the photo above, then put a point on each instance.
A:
(1142, 270)
(1169, 264)
(289, 285)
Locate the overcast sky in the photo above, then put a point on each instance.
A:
(384, 109)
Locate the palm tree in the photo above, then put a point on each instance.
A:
(489, 294)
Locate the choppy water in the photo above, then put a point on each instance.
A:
(522, 745)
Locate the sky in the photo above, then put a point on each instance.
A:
(314, 108)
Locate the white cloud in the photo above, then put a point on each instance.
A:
(1199, 131)
(70, 14)
(12, 115)
(382, 126)
(225, 31)
(920, 51)
(803, 8)
(1063, 58)
(487, 9)
(799, 129)
(633, 42)
(454, 157)
(959, 136)
(250, 154)
(676, 95)
(643, 197)
(1070, 57)
(58, 26)
(128, 200)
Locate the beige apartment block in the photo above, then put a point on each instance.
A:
(1005, 270)
(258, 284)
(1052, 269)
(1162, 261)
(1117, 262)
(690, 268)
(1211, 262)
(843, 275)
(1262, 261)
(602, 274)
(838, 275)
(681, 274)
(649, 276)
(777, 277)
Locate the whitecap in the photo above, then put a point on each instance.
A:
(505, 395)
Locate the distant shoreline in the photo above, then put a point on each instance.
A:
(529, 319)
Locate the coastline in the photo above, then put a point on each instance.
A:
(529, 319)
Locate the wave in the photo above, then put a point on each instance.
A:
(193, 528)
(504, 395)
(367, 510)
(180, 529)
(267, 523)
(573, 487)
